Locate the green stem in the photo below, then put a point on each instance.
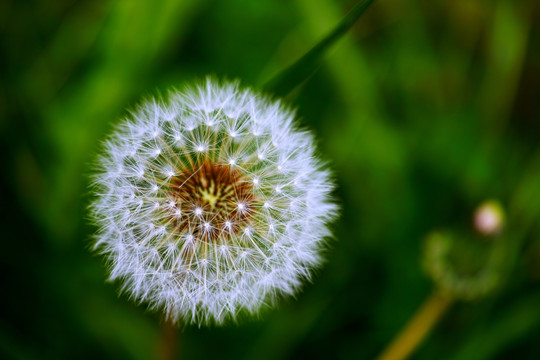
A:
(418, 327)
(169, 341)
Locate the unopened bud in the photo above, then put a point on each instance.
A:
(489, 218)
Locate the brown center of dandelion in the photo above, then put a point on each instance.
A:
(210, 200)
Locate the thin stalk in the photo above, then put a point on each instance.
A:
(169, 341)
(418, 327)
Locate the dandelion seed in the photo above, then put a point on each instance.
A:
(203, 254)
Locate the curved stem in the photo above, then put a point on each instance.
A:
(418, 327)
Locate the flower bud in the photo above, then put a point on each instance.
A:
(489, 218)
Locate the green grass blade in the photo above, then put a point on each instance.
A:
(284, 82)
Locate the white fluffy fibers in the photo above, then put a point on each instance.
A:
(211, 202)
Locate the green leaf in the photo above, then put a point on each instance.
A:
(287, 80)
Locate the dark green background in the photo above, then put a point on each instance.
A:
(425, 109)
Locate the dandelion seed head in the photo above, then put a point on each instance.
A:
(197, 211)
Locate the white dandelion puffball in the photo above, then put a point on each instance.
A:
(211, 202)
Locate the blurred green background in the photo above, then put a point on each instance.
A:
(424, 109)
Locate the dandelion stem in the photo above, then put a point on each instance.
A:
(418, 327)
(169, 341)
